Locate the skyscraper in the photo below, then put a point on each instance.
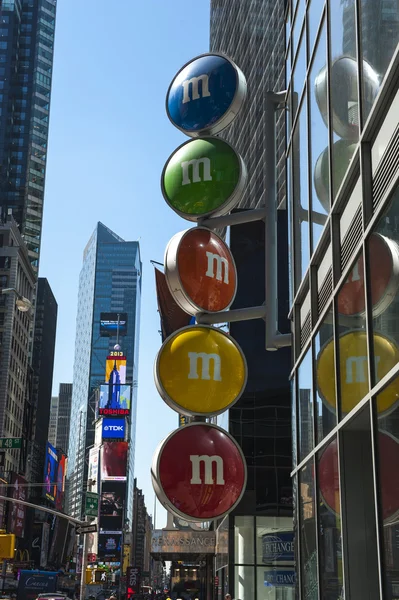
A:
(110, 282)
(42, 368)
(26, 62)
(52, 426)
(63, 416)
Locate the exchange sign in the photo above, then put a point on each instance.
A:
(199, 472)
(200, 370)
(205, 95)
(353, 370)
(203, 177)
(200, 271)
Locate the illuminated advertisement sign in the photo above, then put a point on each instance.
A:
(109, 545)
(115, 369)
(111, 524)
(114, 400)
(17, 512)
(114, 460)
(112, 499)
(61, 472)
(109, 324)
(50, 473)
(113, 428)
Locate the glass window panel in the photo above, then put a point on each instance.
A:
(326, 414)
(305, 406)
(352, 343)
(299, 70)
(244, 583)
(300, 194)
(244, 540)
(383, 256)
(330, 550)
(276, 583)
(274, 541)
(298, 23)
(320, 172)
(343, 86)
(388, 463)
(307, 528)
(380, 36)
(314, 15)
(293, 424)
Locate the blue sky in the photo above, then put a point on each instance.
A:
(109, 140)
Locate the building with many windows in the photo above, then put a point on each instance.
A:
(52, 426)
(26, 62)
(343, 170)
(63, 416)
(109, 282)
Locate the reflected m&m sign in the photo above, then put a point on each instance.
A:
(205, 95)
(200, 371)
(200, 271)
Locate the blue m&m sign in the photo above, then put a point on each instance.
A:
(206, 95)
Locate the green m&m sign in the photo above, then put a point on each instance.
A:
(203, 177)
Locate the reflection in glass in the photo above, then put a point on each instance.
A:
(380, 36)
(299, 70)
(318, 144)
(388, 461)
(330, 551)
(326, 418)
(307, 528)
(300, 192)
(305, 406)
(244, 583)
(243, 540)
(314, 15)
(383, 256)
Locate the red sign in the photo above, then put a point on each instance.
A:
(200, 271)
(133, 581)
(384, 279)
(199, 472)
(388, 448)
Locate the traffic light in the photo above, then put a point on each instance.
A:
(89, 576)
(100, 576)
(7, 545)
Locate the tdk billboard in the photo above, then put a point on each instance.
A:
(114, 429)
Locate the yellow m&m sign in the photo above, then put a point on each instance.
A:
(200, 371)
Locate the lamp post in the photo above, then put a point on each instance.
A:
(23, 304)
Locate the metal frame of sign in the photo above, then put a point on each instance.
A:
(160, 493)
(229, 203)
(231, 112)
(172, 274)
(169, 401)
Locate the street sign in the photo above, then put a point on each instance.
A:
(384, 279)
(353, 371)
(199, 472)
(200, 370)
(83, 529)
(91, 504)
(10, 443)
(388, 452)
(205, 95)
(200, 271)
(203, 177)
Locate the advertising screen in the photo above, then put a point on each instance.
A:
(32, 583)
(115, 370)
(112, 495)
(109, 324)
(110, 524)
(114, 460)
(50, 473)
(61, 472)
(113, 428)
(109, 545)
(17, 512)
(114, 400)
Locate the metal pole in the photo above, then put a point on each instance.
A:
(246, 216)
(273, 342)
(3, 574)
(230, 316)
(85, 555)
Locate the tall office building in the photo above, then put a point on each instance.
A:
(343, 167)
(44, 334)
(52, 426)
(26, 62)
(110, 282)
(251, 32)
(63, 416)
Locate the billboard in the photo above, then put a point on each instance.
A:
(114, 400)
(50, 473)
(60, 491)
(17, 512)
(114, 460)
(110, 524)
(113, 428)
(32, 583)
(109, 324)
(115, 370)
(133, 581)
(109, 545)
(112, 496)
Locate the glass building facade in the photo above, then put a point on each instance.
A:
(27, 30)
(342, 66)
(110, 281)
